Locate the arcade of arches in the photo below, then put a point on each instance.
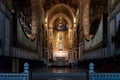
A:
(59, 32)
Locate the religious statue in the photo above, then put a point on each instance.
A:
(60, 46)
(60, 37)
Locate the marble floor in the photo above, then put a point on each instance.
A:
(59, 74)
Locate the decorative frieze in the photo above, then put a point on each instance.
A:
(22, 53)
(97, 54)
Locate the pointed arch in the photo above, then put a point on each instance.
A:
(56, 16)
(58, 6)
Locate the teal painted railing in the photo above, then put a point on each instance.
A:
(17, 76)
(102, 76)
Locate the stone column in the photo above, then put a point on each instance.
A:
(69, 56)
(72, 56)
(79, 52)
(75, 55)
(37, 9)
(48, 56)
(85, 18)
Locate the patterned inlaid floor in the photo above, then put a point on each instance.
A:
(53, 74)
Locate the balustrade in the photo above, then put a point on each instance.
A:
(102, 76)
(17, 76)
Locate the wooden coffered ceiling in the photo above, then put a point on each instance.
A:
(48, 4)
(98, 7)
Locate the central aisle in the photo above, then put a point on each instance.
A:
(57, 73)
